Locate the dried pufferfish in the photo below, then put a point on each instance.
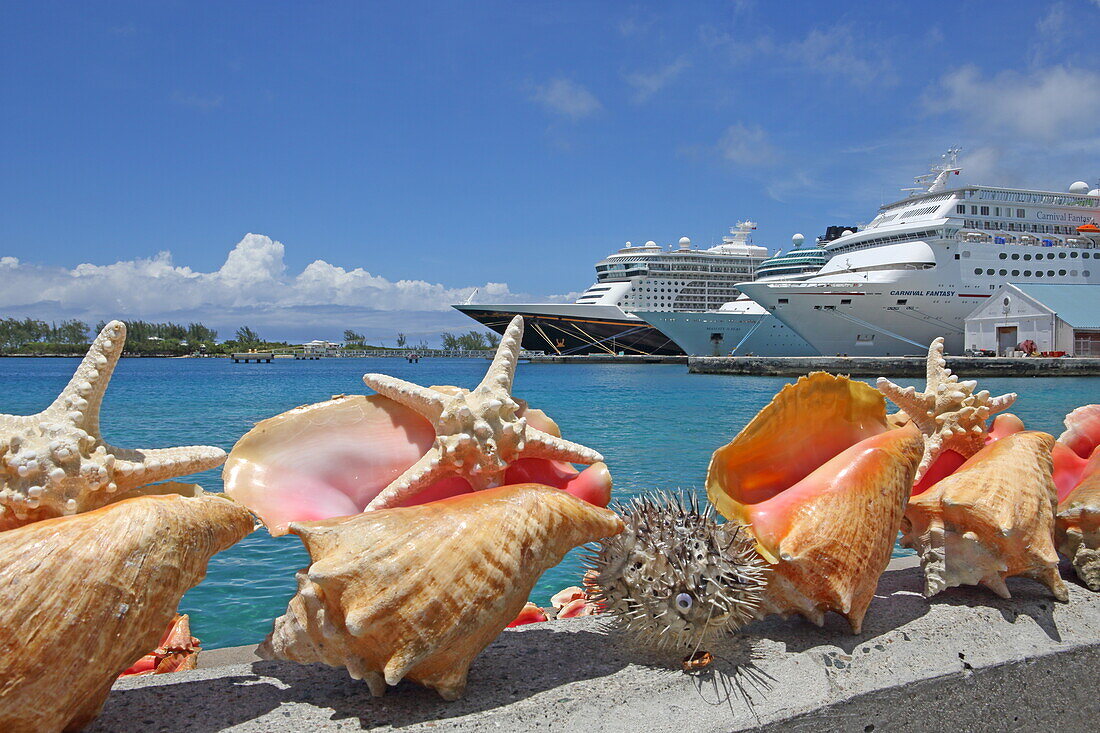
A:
(675, 576)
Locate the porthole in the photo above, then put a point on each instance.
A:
(1050, 273)
(1015, 255)
(1002, 273)
(1015, 273)
(1027, 257)
(1061, 273)
(1027, 273)
(1086, 273)
(989, 272)
(1061, 255)
(1002, 256)
(977, 271)
(1073, 272)
(1073, 255)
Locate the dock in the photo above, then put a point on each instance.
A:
(893, 366)
(607, 359)
(256, 356)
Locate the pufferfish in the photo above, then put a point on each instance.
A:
(676, 577)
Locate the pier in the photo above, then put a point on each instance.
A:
(256, 356)
(893, 366)
(607, 359)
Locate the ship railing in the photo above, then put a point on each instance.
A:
(1026, 239)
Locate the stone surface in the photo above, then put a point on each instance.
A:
(964, 659)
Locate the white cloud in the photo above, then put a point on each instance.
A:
(1054, 103)
(252, 287)
(646, 85)
(568, 98)
(746, 145)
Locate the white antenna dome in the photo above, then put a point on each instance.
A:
(685, 243)
(1094, 192)
(629, 245)
(846, 232)
(651, 243)
(1078, 187)
(797, 240)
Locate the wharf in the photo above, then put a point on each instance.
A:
(893, 366)
(962, 660)
(256, 356)
(608, 359)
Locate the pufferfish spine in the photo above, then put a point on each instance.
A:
(675, 576)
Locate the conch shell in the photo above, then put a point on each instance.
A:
(419, 591)
(83, 597)
(990, 520)
(1077, 526)
(821, 484)
(1082, 433)
(331, 459)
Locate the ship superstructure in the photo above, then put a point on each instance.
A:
(646, 277)
(926, 261)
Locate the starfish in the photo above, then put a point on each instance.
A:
(478, 433)
(950, 415)
(56, 463)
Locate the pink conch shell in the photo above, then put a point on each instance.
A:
(529, 614)
(177, 651)
(949, 461)
(990, 520)
(56, 463)
(1077, 526)
(566, 595)
(1082, 434)
(331, 459)
(949, 413)
(577, 608)
(389, 593)
(82, 597)
(821, 483)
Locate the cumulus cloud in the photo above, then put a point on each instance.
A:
(646, 85)
(1047, 104)
(251, 287)
(567, 98)
(746, 145)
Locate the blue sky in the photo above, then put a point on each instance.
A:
(390, 157)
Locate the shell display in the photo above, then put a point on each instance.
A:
(419, 591)
(821, 484)
(950, 415)
(1082, 433)
(1077, 525)
(990, 520)
(338, 457)
(675, 576)
(56, 463)
(83, 597)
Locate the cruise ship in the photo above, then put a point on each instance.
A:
(743, 327)
(646, 277)
(927, 261)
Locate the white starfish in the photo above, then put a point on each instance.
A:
(477, 433)
(950, 415)
(56, 463)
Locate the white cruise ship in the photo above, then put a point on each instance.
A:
(927, 261)
(742, 326)
(646, 277)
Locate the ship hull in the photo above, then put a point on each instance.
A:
(722, 334)
(570, 329)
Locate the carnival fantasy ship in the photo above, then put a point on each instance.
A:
(646, 277)
(927, 261)
(742, 326)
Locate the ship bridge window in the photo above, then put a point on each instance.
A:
(902, 301)
(960, 209)
(783, 301)
(845, 301)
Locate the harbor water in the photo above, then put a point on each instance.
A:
(655, 424)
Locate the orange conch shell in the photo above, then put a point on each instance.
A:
(990, 520)
(419, 591)
(82, 597)
(822, 484)
(1077, 526)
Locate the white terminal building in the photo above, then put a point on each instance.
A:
(1056, 317)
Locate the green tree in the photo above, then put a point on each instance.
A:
(402, 340)
(247, 337)
(353, 339)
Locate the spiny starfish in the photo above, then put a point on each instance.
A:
(478, 433)
(949, 414)
(56, 463)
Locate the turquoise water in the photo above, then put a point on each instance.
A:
(655, 424)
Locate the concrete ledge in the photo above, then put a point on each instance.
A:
(608, 359)
(962, 660)
(892, 366)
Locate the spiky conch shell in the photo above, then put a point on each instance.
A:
(670, 547)
(83, 597)
(1077, 525)
(990, 520)
(821, 483)
(419, 591)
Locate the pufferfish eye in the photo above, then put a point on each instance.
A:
(683, 602)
